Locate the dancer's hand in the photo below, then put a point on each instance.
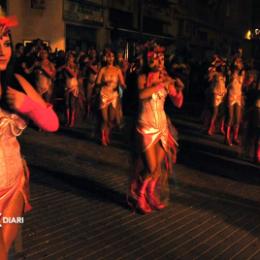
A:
(179, 85)
(15, 98)
(172, 90)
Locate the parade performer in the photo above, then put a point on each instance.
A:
(218, 92)
(18, 100)
(235, 101)
(155, 135)
(109, 78)
(45, 74)
(71, 89)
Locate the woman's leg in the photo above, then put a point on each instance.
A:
(119, 112)
(73, 106)
(104, 126)
(229, 124)
(152, 159)
(153, 198)
(14, 209)
(213, 121)
(3, 251)
(67, 104)
(149, 160)
(237, 110)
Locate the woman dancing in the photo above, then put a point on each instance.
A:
(235, 101)
(18, 100)
(154, 134)
(218, 88)
(71, 89)
(45, 74)
(109, 78)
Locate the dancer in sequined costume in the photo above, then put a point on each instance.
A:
(235, 102)
(19, 100)
(109, 78)
(157, 144)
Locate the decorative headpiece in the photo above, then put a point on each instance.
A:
(108, 52)
(6, 23)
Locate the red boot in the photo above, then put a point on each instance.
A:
(142, 202)
(227, 137)
(153, 199)
(72, 122)
(211, 128)
(68, 116)
(107, 136)
(222, 127)
(103, 137)
(236, 138)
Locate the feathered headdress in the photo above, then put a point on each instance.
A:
(6, 23)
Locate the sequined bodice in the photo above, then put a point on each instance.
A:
(111, 78)
(11, 126)
(236, 84)
(219, 85)
(152, 109)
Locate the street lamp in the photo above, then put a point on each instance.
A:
(248, 35)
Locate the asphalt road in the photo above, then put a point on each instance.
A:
(80, 210)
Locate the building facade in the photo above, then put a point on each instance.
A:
(195, 26)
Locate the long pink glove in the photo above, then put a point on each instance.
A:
(44, 117)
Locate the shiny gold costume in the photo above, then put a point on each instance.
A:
(14, 174)
(235, 90)
(109, 94)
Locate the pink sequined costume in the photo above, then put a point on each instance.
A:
(152, 122)
(153, 126)
(109, 94)
(14, 174)
(219, 89)
(235, 90)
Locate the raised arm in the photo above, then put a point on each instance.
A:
(146, 92)
(121, 79)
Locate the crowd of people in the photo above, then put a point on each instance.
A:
(105, 85)
(35, 82)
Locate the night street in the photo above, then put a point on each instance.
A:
(80, 210)
(139, 121)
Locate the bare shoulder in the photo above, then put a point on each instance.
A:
(102, 70)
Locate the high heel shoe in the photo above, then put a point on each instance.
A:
(236, 138)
